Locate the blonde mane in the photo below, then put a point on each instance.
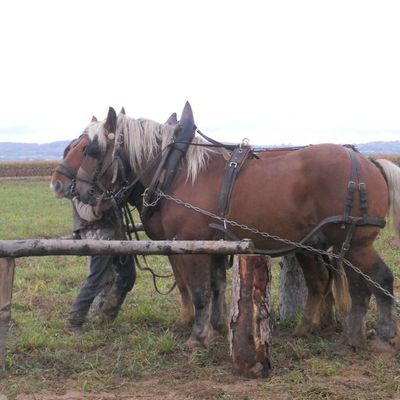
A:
(144, 140)
(97, 129)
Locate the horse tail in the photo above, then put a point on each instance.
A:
(392, 174)
(341, 293)
(337, 287)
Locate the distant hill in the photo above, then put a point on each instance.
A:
(392, 147)
(10, 151)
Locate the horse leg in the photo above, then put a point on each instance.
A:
(198, 278)
(319, 303)
(218, 288)
(187, 311)
(379, 272)
(369, 262)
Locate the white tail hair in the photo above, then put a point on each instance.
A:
(392, 173)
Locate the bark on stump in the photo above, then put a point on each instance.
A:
(292, 288)
(250, 317)
(7, 267)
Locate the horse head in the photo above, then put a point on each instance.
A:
(106, 169)
(63, 178)
(97, 162)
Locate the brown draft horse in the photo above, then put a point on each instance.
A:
(287, 196)
(321, 302)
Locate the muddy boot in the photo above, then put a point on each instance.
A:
(75, 324)
(110, 307)
(97, 304)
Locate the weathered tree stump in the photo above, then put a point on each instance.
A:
(7, 267)
(250, 317)
(292, 288)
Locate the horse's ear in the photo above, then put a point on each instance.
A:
(122, 111)
(94, 119)
(173, 119)
(187, 119)
(111, 121)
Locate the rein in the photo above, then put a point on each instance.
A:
(130, 222)
(119, 199)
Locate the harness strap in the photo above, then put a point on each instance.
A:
(356, 176)
(65, 169)
(215, 142)
(238, 157)
(347, 242)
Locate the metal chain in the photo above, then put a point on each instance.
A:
(311, 249)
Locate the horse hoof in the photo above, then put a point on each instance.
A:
(380, 346)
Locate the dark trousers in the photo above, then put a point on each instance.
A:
(111, 280)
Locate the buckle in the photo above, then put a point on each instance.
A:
(233, 164)
(346, 247)
(245, 143)
(351, 185)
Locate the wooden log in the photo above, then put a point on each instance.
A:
(7, 267)
(46, 247)
(292, 288)
(250, 317)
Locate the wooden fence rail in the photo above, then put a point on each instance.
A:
(244, 364)
(47, 247)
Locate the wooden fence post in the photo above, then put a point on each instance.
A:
(292, 288)
(250, 317)
(7, 267)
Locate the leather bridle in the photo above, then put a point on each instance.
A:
(94, 180)
(63, 168)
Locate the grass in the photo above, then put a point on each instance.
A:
(142, 352)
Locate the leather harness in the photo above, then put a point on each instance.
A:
(239, 155)
(238, 159)
(169, 164)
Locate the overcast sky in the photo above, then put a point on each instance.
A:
(274, 71)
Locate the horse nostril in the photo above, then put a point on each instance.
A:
(58, 186)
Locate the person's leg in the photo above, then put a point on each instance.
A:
(101, 276)
(123, 283)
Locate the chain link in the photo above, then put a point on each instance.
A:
(311, 249)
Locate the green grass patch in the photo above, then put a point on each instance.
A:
(146, 343)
